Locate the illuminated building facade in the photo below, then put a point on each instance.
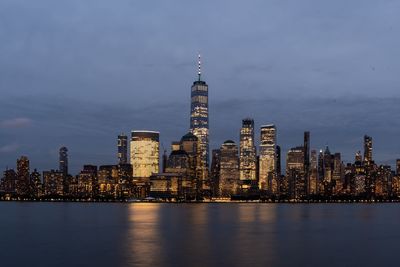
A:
(87, 181)
(327, 166)
(179, 162)
(267, 160)
(191, 146)
(307, 161)
(9, 181)
(313, 181)
(367, 150)
(229, 169)
(63, 161)
(337, 173)
(107, 179)
(145, 147)
(199, 121)
(295, 172)
(397, 166)
(215, 171)
(278, 161)
(23, 176)
(248, 154)
(122, 143)
(53, 183)
(36, 184)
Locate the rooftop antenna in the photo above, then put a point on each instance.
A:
(199, 64)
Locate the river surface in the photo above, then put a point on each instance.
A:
(229, 234)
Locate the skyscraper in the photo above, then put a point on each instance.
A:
(229, 169)
(337, 173)
(190, 145)
(122, 149)
(278, 161)
(307, 160)
(295, 172)
(367, 149)
(199, 119)
(248, 155)
(267, 164)
(215, 170)
(53, 182)
(145, 147)
(23, 175)
(63, 161)
(313, 181)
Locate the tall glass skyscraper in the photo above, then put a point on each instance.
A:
(229, 169)
(267, 164)
(367, 149)
(199, 120)
(248, 155)
(63, 161)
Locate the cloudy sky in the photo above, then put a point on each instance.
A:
(78, 72)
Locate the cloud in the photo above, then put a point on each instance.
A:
(14, 123)
(9, 148)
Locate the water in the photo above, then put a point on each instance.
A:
(115, 234)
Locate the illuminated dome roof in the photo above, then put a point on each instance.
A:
(189, 137)
(227, 142)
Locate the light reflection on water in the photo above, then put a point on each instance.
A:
(151, 234)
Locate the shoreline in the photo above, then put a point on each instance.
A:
(207, 201)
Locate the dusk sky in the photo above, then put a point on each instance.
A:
(79, 72)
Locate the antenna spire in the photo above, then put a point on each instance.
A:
(199, 64)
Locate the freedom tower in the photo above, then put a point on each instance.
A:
(199, 121)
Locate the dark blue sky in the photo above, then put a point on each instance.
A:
(77, 73)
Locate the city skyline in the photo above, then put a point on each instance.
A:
(199, 133)
(264, 141)
(238, 172)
